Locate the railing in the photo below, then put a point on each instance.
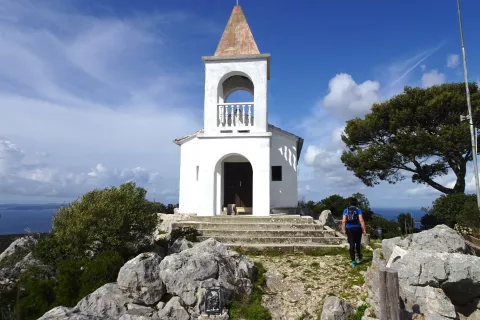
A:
(238, 114)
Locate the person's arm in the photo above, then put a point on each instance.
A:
(362, 222)
(344, 222)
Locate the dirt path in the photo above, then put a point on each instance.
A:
(297, 284)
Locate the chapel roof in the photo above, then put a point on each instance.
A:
(182, 140)
(237, 39)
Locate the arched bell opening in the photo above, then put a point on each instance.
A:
(236, 101)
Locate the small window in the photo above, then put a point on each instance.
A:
(276, 173)
(197, 173)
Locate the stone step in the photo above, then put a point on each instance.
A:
(266, 233)
(246, 226)
(275, 240)
(288, 248)
(290, 219)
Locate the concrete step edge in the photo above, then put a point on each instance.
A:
(277, 238)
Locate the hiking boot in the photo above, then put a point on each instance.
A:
(360, 257)
(354, 264)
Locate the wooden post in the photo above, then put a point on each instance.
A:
(389, 295)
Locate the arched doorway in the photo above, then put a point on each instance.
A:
(234, 183)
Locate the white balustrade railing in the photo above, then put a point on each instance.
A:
(237, 114)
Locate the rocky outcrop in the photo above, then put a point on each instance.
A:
(15, 260)
(139, 279)
(180, 245)
(336, 309)
(439, 239)
(326, 219)
(107, 302)
(171, 288)
(205, 266)
(436, 278)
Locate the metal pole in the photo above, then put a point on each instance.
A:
(469, 105)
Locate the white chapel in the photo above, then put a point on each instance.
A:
(238, 157)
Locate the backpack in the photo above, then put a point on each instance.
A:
(352, 215)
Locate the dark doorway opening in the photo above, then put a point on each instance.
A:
(238, 184)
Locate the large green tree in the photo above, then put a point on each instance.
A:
(418, 133)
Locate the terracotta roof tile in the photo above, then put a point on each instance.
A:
(237, 39)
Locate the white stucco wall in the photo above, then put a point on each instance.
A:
(189, 159)
(283, 153)
(217, 71)
(204, 196)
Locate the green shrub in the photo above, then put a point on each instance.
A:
(113, 219)
(90, 240)
(99, 271)
(456, 209)
(359, 313)
(188, 233)
(36, 294)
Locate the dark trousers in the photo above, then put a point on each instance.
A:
(354, 236)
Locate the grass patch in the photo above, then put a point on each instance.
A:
(320, 252)
(266, 253)
(250, 308)
(314, 265)
(359, 313)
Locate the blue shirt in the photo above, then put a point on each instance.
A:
(348, 226)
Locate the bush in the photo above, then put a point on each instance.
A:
(188, 233)
(113, 219)
(428, 221)
(457, 209)
(36, 294)
(101, 270)
(90, 240)
(390, 228)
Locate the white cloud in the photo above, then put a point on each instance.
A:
(432, 78)
(347, 98)
(453, 60)
(329, 170)
(21, 176)
(86, 90)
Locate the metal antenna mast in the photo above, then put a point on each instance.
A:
(469, 105)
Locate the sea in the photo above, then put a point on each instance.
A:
(20, 218)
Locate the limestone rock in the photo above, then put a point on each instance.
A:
(326, 219)
(179, 245)
(63, 313)
(174, 310)
(135, 317)
(139, 279)
(439, 239)
(208, 264)
(388, 245)
(336, 309)
(107, 301)
(457, 275)
(24, 243)
(139, 310)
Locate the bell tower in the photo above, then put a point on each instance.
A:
(236, 65)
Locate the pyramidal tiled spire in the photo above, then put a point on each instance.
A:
(237, 39)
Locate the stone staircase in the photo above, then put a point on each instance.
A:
(292, 233)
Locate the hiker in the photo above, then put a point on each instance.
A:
(353, 224)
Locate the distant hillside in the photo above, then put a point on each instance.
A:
(44, 206)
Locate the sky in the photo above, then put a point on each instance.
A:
(93, 92)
